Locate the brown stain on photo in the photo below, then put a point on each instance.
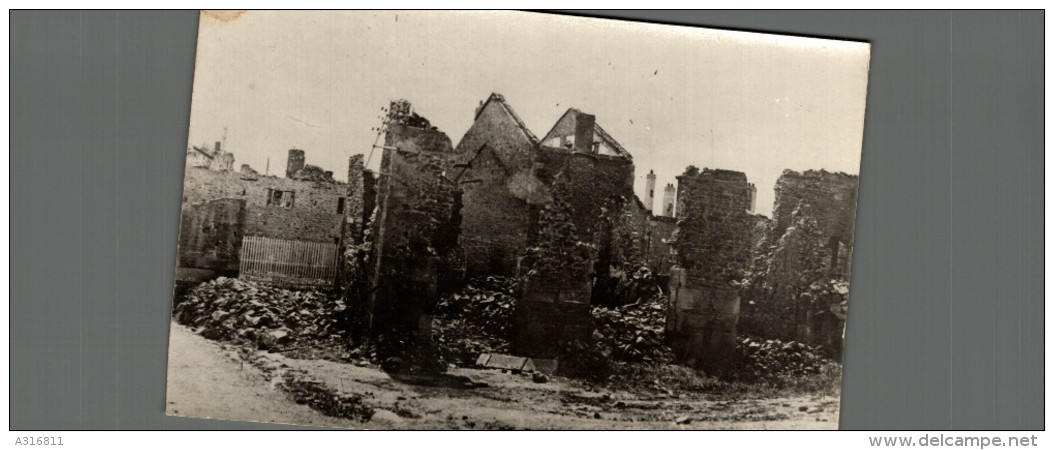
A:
(223, 15)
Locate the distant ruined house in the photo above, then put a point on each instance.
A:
(280, 229)
(493, 166)
(506, 172)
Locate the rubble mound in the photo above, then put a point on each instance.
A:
(272, 318)
(476, 319)
(773, 358)
(634, 332)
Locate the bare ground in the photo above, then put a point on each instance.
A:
(209, 379)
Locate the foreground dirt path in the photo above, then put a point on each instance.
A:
(207, 381)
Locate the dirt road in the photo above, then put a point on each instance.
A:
(207, 381)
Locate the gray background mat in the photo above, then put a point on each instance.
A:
(946, 323)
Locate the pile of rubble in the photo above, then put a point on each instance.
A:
(635, 332)
(476, 319)
(272, 318)
(772, 358)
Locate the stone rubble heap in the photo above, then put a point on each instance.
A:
(272, 318)
(773, 358)
(477, 319)
(635, 332)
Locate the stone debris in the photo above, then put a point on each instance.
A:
(773, 358)
(635, 331)
(475, 320)
(272, 318)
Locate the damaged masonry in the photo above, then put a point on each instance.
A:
(518, 253)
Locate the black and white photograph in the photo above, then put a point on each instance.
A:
(483, 220)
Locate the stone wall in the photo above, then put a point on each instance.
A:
(830, 196)
(712, 245)
(556, 273)
(493, 156)
(313, 215)
(658, 242)
(415, 233)
(587, 182)
(355, 211)
(802, 266)
(494, 229)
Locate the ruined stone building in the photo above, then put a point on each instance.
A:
(832, 198)
(803, 260)
(266, 227)
(506, 172)
(793, 268)
(493, 168)
(516, 185)
(214, 158)
(578, 157)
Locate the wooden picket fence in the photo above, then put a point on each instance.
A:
(282, 261)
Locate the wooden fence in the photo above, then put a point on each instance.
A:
(283, 261)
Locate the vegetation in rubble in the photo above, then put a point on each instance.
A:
(635, 332)
(620, 269)
(790, 280)
(627, 285)
(476, 319)
(356, 287)
(559, 257)
(590, 360)
(626, 351)
(674, 380)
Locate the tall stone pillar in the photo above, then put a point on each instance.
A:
(712, 245)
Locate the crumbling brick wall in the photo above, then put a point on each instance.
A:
(712, 244)
(415, 232)
(633, 230)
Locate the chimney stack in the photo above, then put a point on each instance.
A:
(669, 201)
(296, 162)
(649, 193)
(584, 124)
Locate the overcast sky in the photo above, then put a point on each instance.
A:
(673, 96)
